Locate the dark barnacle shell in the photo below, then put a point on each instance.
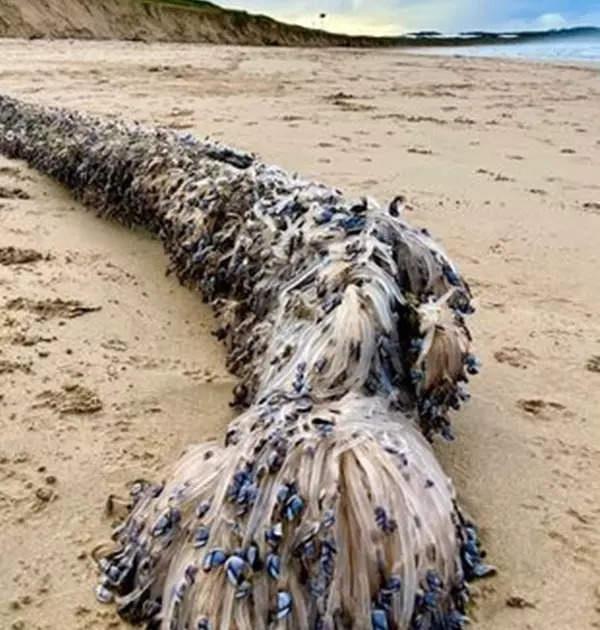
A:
(166, 522)
(252, 555)
(433, 580)
(214, 558)
(393, 584)
(236, 569)
(383, 521)
(202, 509)
(293, 507)
(243, 590)
(305, 405)
(150, 609)
(274, 461)
(203, 624)
(113, 573)
(473, 364)
(318, 586)
(462, 304)
(137, 489)
(328, 519)
(104, 595)
(327, 559)
(446, 430)
(472, 556)
(274, 535)
(284, 605)
(379, 619)
(247, 494)
(282, 494)
(325, 425)
(273, 565)
(301, 367)
(431, 600)
(191, 571)
(325, 216)
(201, 537)
(451, 276)
(307, 550)
(299, 384)
(481, 570)
(307, 533)
(416, 376)
(241, 480)
(396, 205)
(456, 620)
(331, 303)
(416, 345)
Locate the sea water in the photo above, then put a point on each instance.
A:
(577, 50)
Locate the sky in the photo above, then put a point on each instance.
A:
(392, 17)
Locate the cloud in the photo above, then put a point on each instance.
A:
(551, 20)
(392, 17)
(384, 17)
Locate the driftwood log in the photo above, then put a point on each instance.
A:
(324, 507)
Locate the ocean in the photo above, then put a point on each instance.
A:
(576, 50)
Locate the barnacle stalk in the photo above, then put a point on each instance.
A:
(324, 507)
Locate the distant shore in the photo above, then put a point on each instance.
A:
(559, 51)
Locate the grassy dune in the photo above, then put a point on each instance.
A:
(160, 20)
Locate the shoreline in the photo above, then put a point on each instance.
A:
(560, 63)
(424, 51)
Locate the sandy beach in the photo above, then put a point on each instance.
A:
(108, 368)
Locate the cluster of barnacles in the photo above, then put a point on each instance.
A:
(324, 507)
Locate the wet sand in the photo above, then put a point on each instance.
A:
(108, 368)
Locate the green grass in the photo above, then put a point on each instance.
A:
(241, 17)
(200, 5)
(194, 4)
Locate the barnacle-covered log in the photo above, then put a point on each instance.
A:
(324, 507)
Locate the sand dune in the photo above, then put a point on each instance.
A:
(156, 20)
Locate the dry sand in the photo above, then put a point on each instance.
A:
(500, 159)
